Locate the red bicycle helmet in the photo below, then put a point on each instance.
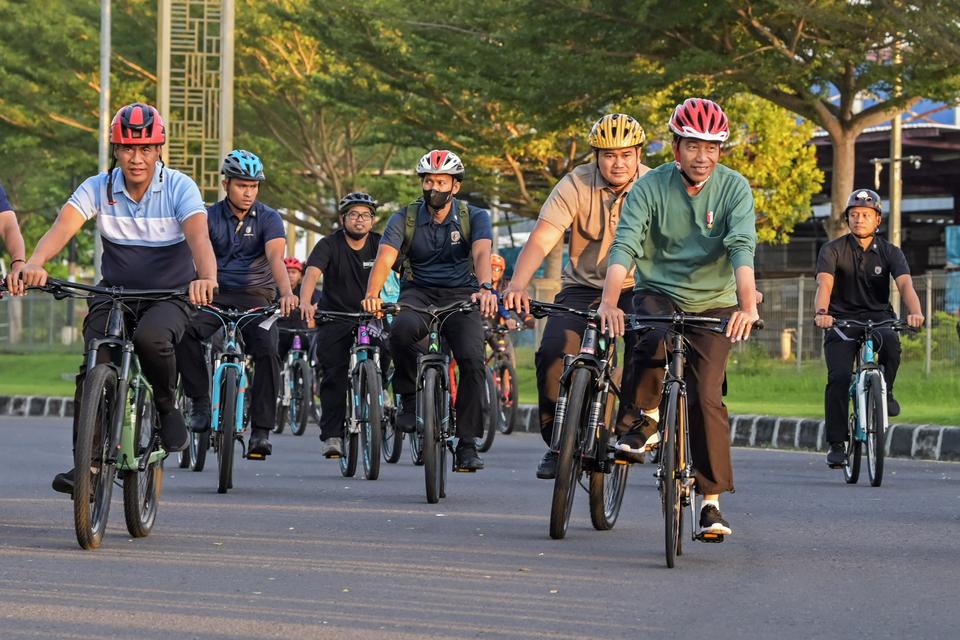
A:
(293, 263)
(700, 119)
(137, 124)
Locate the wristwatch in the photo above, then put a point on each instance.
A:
(486, 285)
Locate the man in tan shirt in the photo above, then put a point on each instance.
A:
(587, 201)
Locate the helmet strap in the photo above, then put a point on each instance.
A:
(113, 165)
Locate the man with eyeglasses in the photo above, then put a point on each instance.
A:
(344, 259)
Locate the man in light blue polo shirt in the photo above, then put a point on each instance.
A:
(249, 242)
(154, 228)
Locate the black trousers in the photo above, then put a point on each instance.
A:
(840, 355)
(258, 343)
(562, 335)
(704, 372)
(156, 327)
(463, 333)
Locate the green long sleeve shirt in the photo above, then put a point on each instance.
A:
(687, 247)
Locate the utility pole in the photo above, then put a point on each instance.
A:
(104, 160)
(226, 81)
(896, 179)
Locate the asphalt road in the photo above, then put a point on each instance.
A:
(297, 551)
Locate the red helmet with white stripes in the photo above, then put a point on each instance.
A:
(441, 161)
(700, 119)
(137, 123)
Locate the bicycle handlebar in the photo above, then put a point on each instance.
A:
(891, 323)
(463, 307)
(636, 322)
(62, 289)
(232, 314)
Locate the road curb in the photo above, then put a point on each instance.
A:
(916, 441)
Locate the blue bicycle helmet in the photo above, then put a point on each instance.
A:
(243, 165)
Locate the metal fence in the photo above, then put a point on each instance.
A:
(40, 323)
(789, 333)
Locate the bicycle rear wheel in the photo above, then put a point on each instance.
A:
(93, 474)
(569, 461)
(876, 414)
(300, 397)
(227, 433)
(670, 479)
(507, 395)
(185, 457)
(371, 419)
(606, 492)
(490, 412)
(348, 457)
(391, 438)
(433, 445)
(141, 491)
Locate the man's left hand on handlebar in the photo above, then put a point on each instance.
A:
(915, 320)
(741, 323)
(488, 303)
(201, 291)
(611, 319)
(288, 304)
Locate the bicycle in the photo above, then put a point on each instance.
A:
(365, 424)
(436, 415)
(583, 434)
(500, 402)
(868, 421)
(675, 473)
(118, 428)
(230, 387)
(194, 457)
(295, 405)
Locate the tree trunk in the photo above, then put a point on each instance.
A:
(841, 184)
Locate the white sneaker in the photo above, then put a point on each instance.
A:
(332, 448)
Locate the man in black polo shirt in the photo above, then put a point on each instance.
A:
(344, 259)
(446, 261)
(249, 241)
(853, 282)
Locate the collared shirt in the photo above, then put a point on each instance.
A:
(439, 255)
(687, 246)
(4, 202)
(861, 285)
(240, 245)
(345, 270)
(143, 242)
(584, 202)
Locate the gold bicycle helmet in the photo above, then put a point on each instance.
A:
(616, 131)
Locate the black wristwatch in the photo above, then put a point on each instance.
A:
(486, 285)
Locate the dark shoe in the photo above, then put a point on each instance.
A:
(260, 446)
(641, 438)
(200, 415)
(893, 407)
(837, 456)
(407, 417)
(466, 458)
(173, 431)
(63, 482)
(547, 469)
(711, 521)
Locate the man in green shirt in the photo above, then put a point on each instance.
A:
(689, 229)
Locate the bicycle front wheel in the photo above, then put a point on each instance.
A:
(371, 419)
(507, 396)
(141, 490)
(227, 433)
(433, 444)
(569, 461)
(876, 417)
(670, 473)
(490, 412)
(93, 474)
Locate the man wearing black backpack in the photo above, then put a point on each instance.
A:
(445, 245)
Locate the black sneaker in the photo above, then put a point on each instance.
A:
(547, 469)
(711, 521)
(260, 446)
(200, 415)
(641, 438)
(173, 431)
(837, 456)
(407, 416)
(893, 407)
(466, 458)
(63, 482)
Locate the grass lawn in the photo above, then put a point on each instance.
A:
(756, 387)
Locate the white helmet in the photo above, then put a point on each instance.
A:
(441, 161)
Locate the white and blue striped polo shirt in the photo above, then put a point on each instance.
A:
(143, 242)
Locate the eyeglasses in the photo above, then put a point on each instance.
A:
(359, 215)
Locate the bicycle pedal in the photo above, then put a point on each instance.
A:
(835, 466)
(706, 536)
(256, 456)
(462, 470)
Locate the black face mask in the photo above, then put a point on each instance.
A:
(437, 199)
